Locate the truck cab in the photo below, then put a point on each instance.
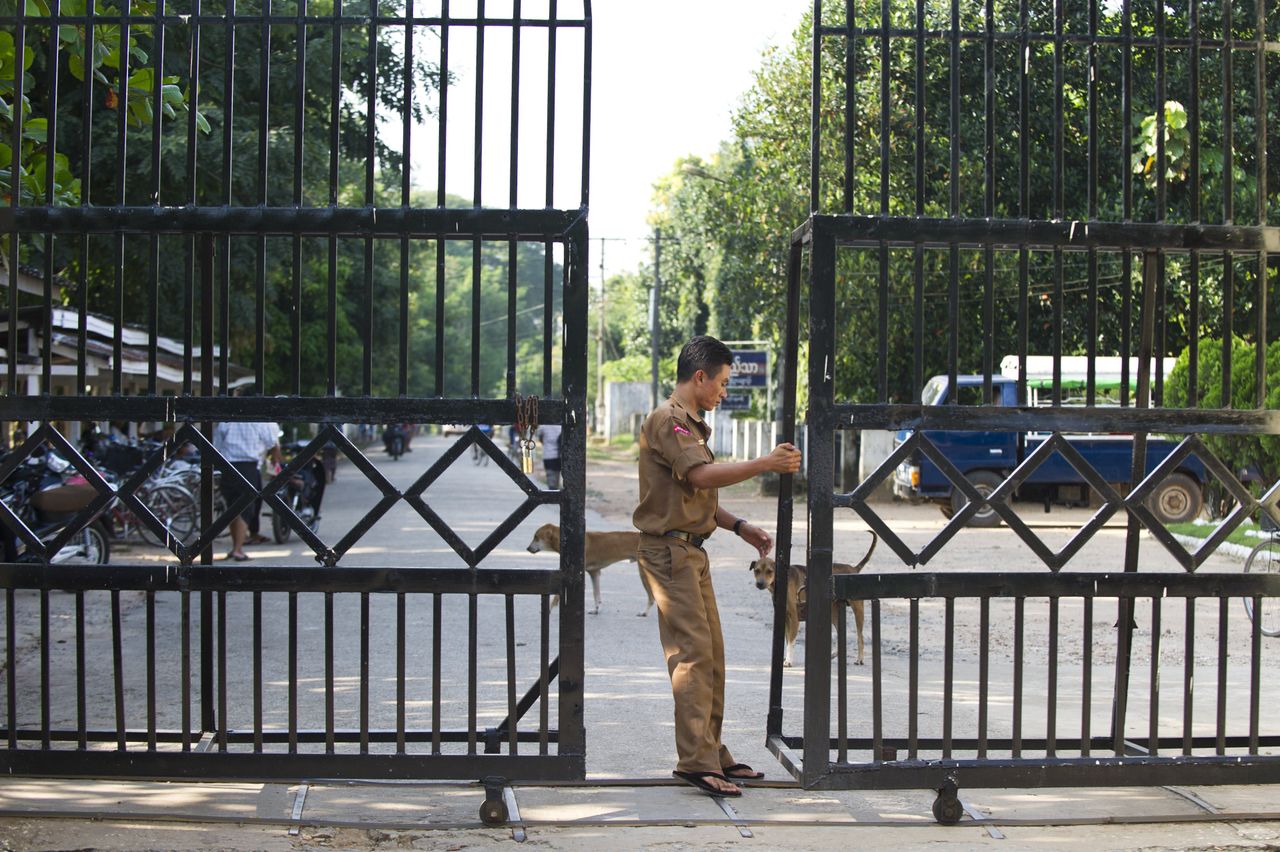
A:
(987, 458)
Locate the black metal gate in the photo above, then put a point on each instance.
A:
(203, 195)
(1025, 178)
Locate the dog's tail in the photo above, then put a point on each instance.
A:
(874, 540)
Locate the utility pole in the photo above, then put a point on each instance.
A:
(600, 406)
(654, 300)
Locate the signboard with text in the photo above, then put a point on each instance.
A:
(750, 368)
(735, 402)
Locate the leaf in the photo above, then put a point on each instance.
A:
(6, 155)
(142, 79)
(36, 129)
(202, 123)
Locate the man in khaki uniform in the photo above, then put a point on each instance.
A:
(678, 510)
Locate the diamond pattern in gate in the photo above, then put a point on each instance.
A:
(1246, 504)
(857, 499)
(1111, 500)
(46, 434)
(325, 555)
(998, 500)
(533, 496)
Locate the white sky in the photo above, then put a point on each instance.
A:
(667, 76)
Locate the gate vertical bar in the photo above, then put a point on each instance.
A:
(821, 482)
(786, 492)
(208, 719)
(573, 500)
(1125, 624)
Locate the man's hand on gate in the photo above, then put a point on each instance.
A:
(785, 458)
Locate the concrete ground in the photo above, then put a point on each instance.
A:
(595, 816)
(629, 799)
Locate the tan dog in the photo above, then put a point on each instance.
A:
(601, 550)
(797, 598)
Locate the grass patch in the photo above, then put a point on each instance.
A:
(1245, 535)
(615, 451)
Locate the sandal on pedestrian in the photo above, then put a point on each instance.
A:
(699, 780)
(741, 772)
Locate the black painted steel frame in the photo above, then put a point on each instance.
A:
(204, 747)
(818, 759)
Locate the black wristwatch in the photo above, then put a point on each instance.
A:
(737, 525)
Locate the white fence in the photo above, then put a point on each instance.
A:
(857, 453)
(739, 438)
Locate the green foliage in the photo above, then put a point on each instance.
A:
(1236, 451)
(1177, 144)
(639, 368)
(104, 63)
(146, 97)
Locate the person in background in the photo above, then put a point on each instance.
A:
(244, 445)
(549, 437)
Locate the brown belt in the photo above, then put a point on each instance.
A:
(695, 540)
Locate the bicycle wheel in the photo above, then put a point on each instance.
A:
(176, 509)
(1264, 559)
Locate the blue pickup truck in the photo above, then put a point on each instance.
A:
(987, 458)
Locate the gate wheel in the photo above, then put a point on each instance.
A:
(493, 811)
(947, 809)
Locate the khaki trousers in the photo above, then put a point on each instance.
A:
(689, 626)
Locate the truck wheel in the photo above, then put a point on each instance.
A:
(985, 482)
(1176, 500)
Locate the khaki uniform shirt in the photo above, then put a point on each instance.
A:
(673, 441)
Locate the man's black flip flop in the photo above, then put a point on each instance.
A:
(699, 780)
(746, 773)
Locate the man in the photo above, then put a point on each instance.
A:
(243, 445)
(678, 510)
(549, 437)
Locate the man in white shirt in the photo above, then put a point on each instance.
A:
(243, 445)
(549, 436)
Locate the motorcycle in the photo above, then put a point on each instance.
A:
(302, 493)
(393, 440)
(46, 493)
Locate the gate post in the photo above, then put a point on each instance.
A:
(572, 743)
(821, 486)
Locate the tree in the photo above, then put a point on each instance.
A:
(295, 295)
(1236, 451)
(733, 212)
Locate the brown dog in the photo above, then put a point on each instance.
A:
(602, 549)
(797, 599)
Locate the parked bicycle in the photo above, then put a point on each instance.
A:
(1265, 559)
(171, 494)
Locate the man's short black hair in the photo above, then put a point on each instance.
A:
(702, 353)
